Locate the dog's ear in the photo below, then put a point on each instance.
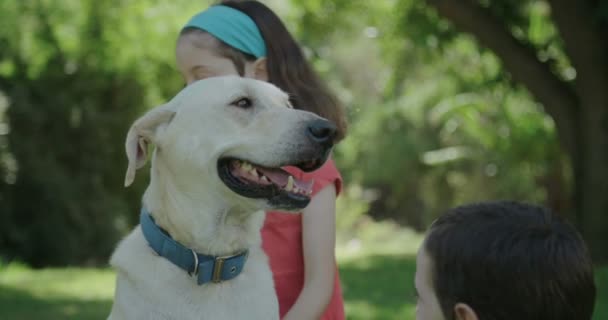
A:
(142, 132)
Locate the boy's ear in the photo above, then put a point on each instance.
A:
(464, 312)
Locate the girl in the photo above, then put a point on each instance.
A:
(248, 39)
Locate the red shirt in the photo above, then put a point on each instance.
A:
(282, 242)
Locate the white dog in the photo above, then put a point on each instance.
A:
(220, 144)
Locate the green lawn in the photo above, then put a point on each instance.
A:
(376, 270)
(55, 293)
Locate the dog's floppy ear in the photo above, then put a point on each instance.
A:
(142, 132)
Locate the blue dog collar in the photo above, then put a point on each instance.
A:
(205, 267)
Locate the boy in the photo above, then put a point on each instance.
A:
(503, 260)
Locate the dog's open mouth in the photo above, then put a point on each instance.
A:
(281, 189)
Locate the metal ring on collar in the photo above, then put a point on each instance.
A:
(195, 272)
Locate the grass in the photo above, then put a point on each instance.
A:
(68, 293)
(377, 270)
(377, 267)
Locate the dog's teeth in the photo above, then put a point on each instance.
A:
(254, 173)
(247, 166)
(264, 179)
(289, 186)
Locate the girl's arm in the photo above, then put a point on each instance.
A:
(318, 242)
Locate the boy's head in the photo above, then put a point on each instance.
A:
(503, 260)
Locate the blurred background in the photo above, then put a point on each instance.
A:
(449, 102)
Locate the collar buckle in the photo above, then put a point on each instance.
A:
(218, 266)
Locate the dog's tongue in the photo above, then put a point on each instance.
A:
(280, 177)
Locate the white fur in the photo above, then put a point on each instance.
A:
(188, 200)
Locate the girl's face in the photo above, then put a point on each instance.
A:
(197, 59)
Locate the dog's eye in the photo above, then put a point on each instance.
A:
(243, 103)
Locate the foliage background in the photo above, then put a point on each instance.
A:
(439, 116)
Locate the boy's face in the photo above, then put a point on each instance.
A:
(427, 304)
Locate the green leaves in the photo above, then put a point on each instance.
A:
(446, 125)
(75, 74)
(436, 119)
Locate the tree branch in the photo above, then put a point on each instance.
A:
(48, 35)
(558, 99)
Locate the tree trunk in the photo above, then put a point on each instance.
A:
(589, 56)
(580, 112)
(591, 189)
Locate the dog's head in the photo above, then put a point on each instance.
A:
(234, 135)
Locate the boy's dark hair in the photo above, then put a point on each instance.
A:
(286, 65)
(510, 260)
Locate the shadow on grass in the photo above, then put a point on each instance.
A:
(379, 287)
(22, 305)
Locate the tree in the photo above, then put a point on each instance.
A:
(73, 76)
(578, 104)
(554, 49)
(438, 118)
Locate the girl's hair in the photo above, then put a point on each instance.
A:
(287, 68)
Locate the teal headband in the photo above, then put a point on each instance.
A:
(232, 27)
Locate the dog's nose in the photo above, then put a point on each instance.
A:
(322, 131)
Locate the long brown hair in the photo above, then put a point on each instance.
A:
(285, 63)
